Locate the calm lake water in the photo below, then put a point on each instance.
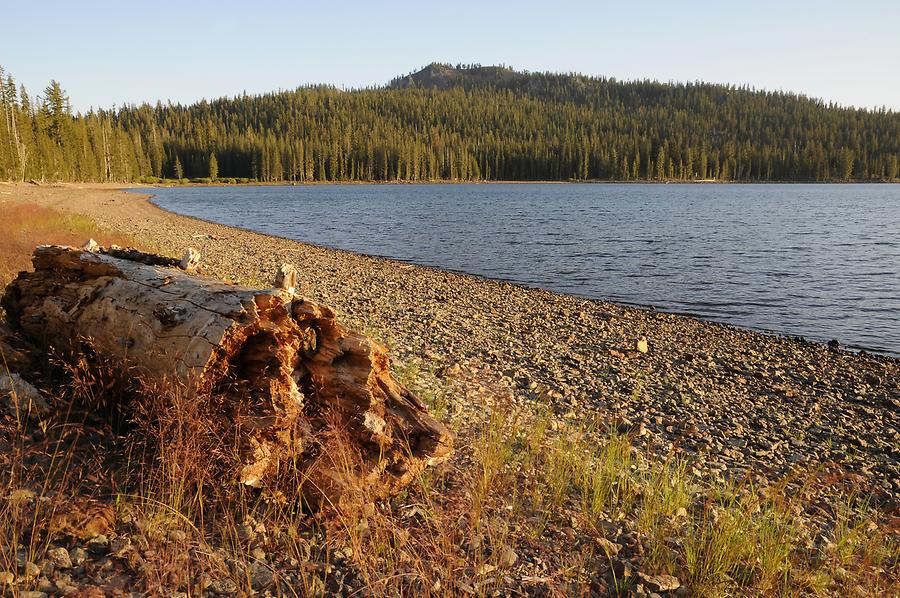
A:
(820, 261)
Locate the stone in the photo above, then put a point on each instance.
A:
(91, 245)
(610, 548)
(485, 569)
(622, 569)
(78, 555)
(45, 585)
(508, 557)
(32, 571)
(262, 579)
(60, 558)
(223, 586)
(660, 583)
(190, 260)
(286, 278)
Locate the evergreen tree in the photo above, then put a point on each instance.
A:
(56, 105)
(488, 123)
(846, 164)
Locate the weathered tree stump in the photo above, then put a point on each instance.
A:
(287, 372)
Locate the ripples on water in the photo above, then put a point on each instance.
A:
(821, 261)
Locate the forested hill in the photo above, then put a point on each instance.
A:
(456, 123)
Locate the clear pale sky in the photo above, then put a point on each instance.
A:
(107, 53)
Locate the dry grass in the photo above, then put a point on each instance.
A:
(24, 226)
(530, 504)
(521, 486)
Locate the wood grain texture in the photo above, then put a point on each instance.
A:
(290, 377)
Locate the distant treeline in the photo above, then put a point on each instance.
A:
(479, 124)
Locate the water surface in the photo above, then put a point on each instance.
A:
(820, 261)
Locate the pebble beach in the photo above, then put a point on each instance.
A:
(736, 402)
(800, 424)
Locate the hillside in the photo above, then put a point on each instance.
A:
(444, 76)
(457, 123)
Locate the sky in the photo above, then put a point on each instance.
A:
(110, 53)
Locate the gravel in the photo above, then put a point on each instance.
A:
(733, 400)
(733, 403)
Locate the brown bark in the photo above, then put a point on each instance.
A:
(289, 375)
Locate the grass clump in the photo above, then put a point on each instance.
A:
(572, 507)
(24, 226)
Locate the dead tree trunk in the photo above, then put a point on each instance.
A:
(287, 372)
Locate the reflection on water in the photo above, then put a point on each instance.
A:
(821, 261)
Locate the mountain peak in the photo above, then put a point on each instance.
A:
(443, 76)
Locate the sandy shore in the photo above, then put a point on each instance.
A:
(732, 401)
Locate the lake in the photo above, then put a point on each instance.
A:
(819, 261)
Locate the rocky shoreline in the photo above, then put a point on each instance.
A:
(733, 401)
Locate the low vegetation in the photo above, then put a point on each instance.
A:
(25, 225)
(143, 498)
(529, 504)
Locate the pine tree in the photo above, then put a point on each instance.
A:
(846, 164)
(535, 126)
(58, 110)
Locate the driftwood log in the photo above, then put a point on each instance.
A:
(285, 370)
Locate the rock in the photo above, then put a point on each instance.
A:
(60, 558)
(91, 245)
(641, 345)
(77, 555)
(610, 548)
(660, 583)
(190, 260)
(622, 569)
(508, 558)
(31, 571)
(286, 278)
(262, 579)
(223, 586)
(246, 533)
(45, 585)
(67, 590)
(485, 569)
(21, 399)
